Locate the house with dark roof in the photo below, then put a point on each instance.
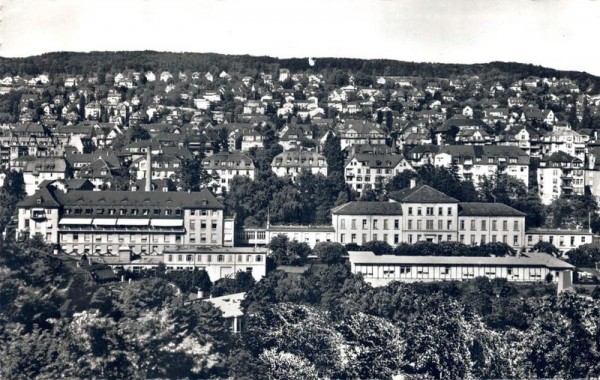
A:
(292, 162)
(224, 166)
(524, 137)
(475, 162)
(354, 132)
(373, 169)
(42, 169)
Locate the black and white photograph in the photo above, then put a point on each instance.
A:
(299, 189)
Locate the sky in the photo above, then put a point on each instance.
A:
(561, 34)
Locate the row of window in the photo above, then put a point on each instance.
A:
(377, 171)
(561, 240)
(429, 211)
(203, 224)
(136, 211)
(374, 224)
(429, 224)
(113, 238)
(482, 240)
(420, 270)
(365, 240)
(215, 258)
(484, 225)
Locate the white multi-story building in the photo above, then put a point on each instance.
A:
(225, 166)
(422, 213)
(292, 162)
(560, 174)
(100, 222)
(43, 169)
(476, 162)
(372, 169)
(564, 139)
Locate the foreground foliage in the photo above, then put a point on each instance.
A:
(325, 323)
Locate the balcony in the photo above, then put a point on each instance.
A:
(38, 214)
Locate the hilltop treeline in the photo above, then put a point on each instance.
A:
(95, 62)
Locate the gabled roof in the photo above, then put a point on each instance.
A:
(487, 209)
(373, 160)
(560, 156)
(41, 198)
(422, 194)
(368, 208)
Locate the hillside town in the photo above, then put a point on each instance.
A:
(285, 191)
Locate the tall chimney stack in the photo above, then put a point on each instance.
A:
(149, 169)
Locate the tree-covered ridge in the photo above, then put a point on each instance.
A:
(94, 62)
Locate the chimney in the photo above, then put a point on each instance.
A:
(149, 170)
(413, 183)
(200, 294)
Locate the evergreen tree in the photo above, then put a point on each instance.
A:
(333, 154)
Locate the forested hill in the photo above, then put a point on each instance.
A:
(94, 62)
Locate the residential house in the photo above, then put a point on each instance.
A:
(224, 166)
(354, 132)
(375, 170)
(43, 169)
(475, 162)
(523, 137)
(560, 174)
(293, 162)
(564, 139)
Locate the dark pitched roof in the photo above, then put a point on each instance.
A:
(368, 208)
(50, 198)
(377, 160)
(487, 209)
(422, 194)
(203, 199)
(41, 198)
(560, 156)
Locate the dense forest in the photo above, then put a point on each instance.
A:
(101, 62)
(57, 322)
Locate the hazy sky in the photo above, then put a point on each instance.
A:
(563, 34)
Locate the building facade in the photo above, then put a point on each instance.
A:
(373, 169)
(425, 214)
(224, 166)
(218, 262)
(293, 162)
(380, 270)
(311, 235)
(564, 240)
(476, 162)
(99, 223)
(560, 174)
